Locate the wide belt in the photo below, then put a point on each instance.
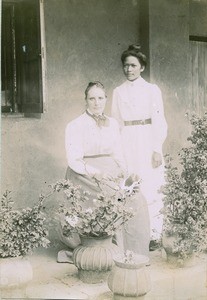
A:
(138, 122)
(97, 155)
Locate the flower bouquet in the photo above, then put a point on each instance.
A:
(107, 212)
(95, 219)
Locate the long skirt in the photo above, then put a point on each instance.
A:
(137, 143)
(135, 234)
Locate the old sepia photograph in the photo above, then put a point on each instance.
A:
(103, 150)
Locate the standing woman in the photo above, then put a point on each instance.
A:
(138, 107)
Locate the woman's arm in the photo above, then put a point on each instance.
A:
(115, 111)
(159, 124)
(117, 147)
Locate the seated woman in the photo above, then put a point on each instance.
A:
(93, 149)
(92, 142)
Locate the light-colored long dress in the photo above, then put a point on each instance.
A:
(140, 100)
(91, 150)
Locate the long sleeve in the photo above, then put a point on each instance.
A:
(159, 124)
(117, 147)
(75, 151)
(115, 110)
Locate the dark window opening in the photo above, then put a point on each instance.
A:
(21, 68)
(198, 38)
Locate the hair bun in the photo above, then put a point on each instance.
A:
(133, 47)
(134, 50)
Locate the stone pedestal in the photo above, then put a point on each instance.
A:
(15, 272)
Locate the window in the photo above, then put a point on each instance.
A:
(198, 68)
(21, 68)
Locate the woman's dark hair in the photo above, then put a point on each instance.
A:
(134, 50)
(92, 84)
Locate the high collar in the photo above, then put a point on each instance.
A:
(91, 114)
(135, 82)
(100, 120)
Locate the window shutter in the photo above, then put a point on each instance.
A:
(198, 56)
(29, 66)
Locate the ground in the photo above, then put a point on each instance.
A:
(52, 280)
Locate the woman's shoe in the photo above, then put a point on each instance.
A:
(65, 256)
(154, 245)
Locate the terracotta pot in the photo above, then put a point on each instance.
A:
(15, 272)
(130, 280)
(94, 258)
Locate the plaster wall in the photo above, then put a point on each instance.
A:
(84, 40)
(170, 25)
(169, 65)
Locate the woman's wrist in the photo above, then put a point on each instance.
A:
(97, 177)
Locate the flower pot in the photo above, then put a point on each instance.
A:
(130, 280)
(173, 257)
(94, 258)
(168, 243)
(15, 272)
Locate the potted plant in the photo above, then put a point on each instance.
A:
(22, 230)
(95, 224)
(185, 197)
(129, 277)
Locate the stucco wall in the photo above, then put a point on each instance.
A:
(170, 25)
(84, 40)
(169, 56)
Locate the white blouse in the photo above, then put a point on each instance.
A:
(140, 100)
(84, 138)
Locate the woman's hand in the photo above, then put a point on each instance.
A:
(103, 176)
(131, 179)
(156, 159)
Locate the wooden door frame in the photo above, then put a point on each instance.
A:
(195, 106)
(43, 56)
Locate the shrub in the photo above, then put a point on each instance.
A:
(185, 193)
(21, 230)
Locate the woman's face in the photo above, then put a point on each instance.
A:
(132, 68)
(96, 100)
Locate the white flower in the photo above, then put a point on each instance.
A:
(129, 253)
(133, 187)
(89, 210)
(72, 221)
